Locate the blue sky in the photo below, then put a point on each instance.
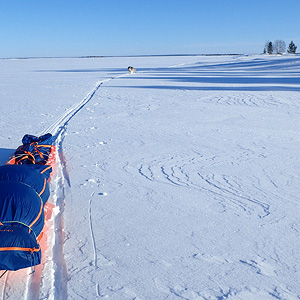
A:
(130, 27)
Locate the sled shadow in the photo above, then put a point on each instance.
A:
(5, 154)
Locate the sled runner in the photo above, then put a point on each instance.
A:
(24, 191)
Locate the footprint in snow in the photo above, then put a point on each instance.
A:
(260, 266)
(102, 194)
(211, 258)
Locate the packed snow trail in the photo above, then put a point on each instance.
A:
(60, 183)
(60, 124)
(29, 285)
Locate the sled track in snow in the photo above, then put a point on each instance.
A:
(52, 273)
(60, 184)
(60, 124)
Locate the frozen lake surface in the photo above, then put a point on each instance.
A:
(180, 181)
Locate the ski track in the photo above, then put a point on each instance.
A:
(4, 285)
(29, 285)
(95, 262)
(92, 231)
(61, 182)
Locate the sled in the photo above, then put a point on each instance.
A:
(24, 191)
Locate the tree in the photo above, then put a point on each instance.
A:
(269, 47)
(279, 46)
(292, 48)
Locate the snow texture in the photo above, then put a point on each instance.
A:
(180, 181)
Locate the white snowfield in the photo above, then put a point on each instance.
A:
(180, 181)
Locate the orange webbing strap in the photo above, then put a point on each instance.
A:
(38, 216)
(28, 155)
(20, 249)
(46, 169)
(39, 152)
(42, 191)
(41, 146)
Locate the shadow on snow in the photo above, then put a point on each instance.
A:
(259, 74)
(215, 88)
(256, 75)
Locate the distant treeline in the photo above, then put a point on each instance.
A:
(279, 47)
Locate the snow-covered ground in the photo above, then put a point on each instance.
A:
(180, 181)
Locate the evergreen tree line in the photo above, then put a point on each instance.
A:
(279, 47)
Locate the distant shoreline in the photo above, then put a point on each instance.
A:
(104, 56)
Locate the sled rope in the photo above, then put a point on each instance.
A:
(3, 274)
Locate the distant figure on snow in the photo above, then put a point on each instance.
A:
(131, 69)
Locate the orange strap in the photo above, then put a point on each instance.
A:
(20, 249)
(39, 152)
(42, 191)
(29, 156)
(38, 216)
(48, 146)
(46, 169)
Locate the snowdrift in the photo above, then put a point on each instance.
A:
(24, 192)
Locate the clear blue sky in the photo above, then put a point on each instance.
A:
(30, 28)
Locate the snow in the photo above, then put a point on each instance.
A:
(180, 181)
